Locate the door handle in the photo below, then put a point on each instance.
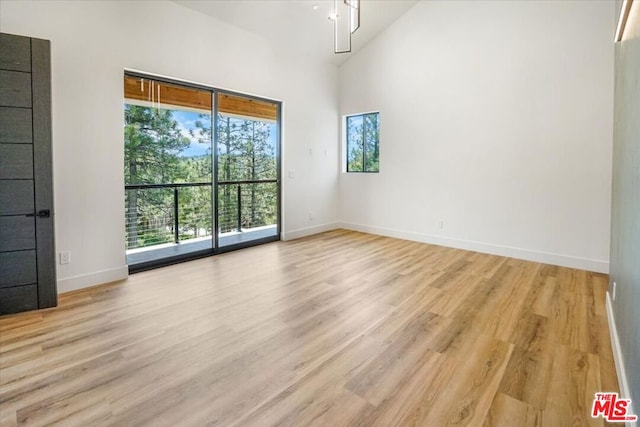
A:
(44, 213)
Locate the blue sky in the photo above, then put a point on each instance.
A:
(187, 122)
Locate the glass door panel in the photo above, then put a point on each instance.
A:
(168, 170)
(248, 199)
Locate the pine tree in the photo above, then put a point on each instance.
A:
(152, 142)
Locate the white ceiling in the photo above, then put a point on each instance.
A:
(294, 25)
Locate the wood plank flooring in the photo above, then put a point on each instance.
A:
(341, 328)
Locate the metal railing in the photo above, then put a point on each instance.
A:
(251, 204)
(155, 213)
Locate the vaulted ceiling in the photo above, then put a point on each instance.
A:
(295, 26)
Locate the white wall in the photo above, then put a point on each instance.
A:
(92, 43)
(496, 117)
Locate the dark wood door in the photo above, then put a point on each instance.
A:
(27, 252)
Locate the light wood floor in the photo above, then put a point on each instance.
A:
(341, 328)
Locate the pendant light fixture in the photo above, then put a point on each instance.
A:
(346, 21)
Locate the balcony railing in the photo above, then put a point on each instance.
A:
(170, 213)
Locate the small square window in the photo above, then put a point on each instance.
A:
(363, 140)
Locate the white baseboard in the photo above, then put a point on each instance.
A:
(92, 279)
(302, 232)
(489, 248)
(617, 357)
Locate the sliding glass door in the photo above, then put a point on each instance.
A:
(201, 171)
(247, 169)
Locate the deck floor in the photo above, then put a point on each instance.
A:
(189, 246)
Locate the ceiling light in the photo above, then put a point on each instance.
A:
(346, 21)
(622, 19)
(315, 7)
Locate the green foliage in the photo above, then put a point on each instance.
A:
(245, 154)
(152, 141)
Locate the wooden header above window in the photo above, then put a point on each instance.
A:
(238, 105)
(154, 92)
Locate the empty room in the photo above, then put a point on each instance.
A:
(319, 213)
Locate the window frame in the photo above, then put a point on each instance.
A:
(364, 151)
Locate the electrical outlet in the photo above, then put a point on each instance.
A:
(292, 174)
(65, 257)
(613, 291)
(310, 216)
(440, 224)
